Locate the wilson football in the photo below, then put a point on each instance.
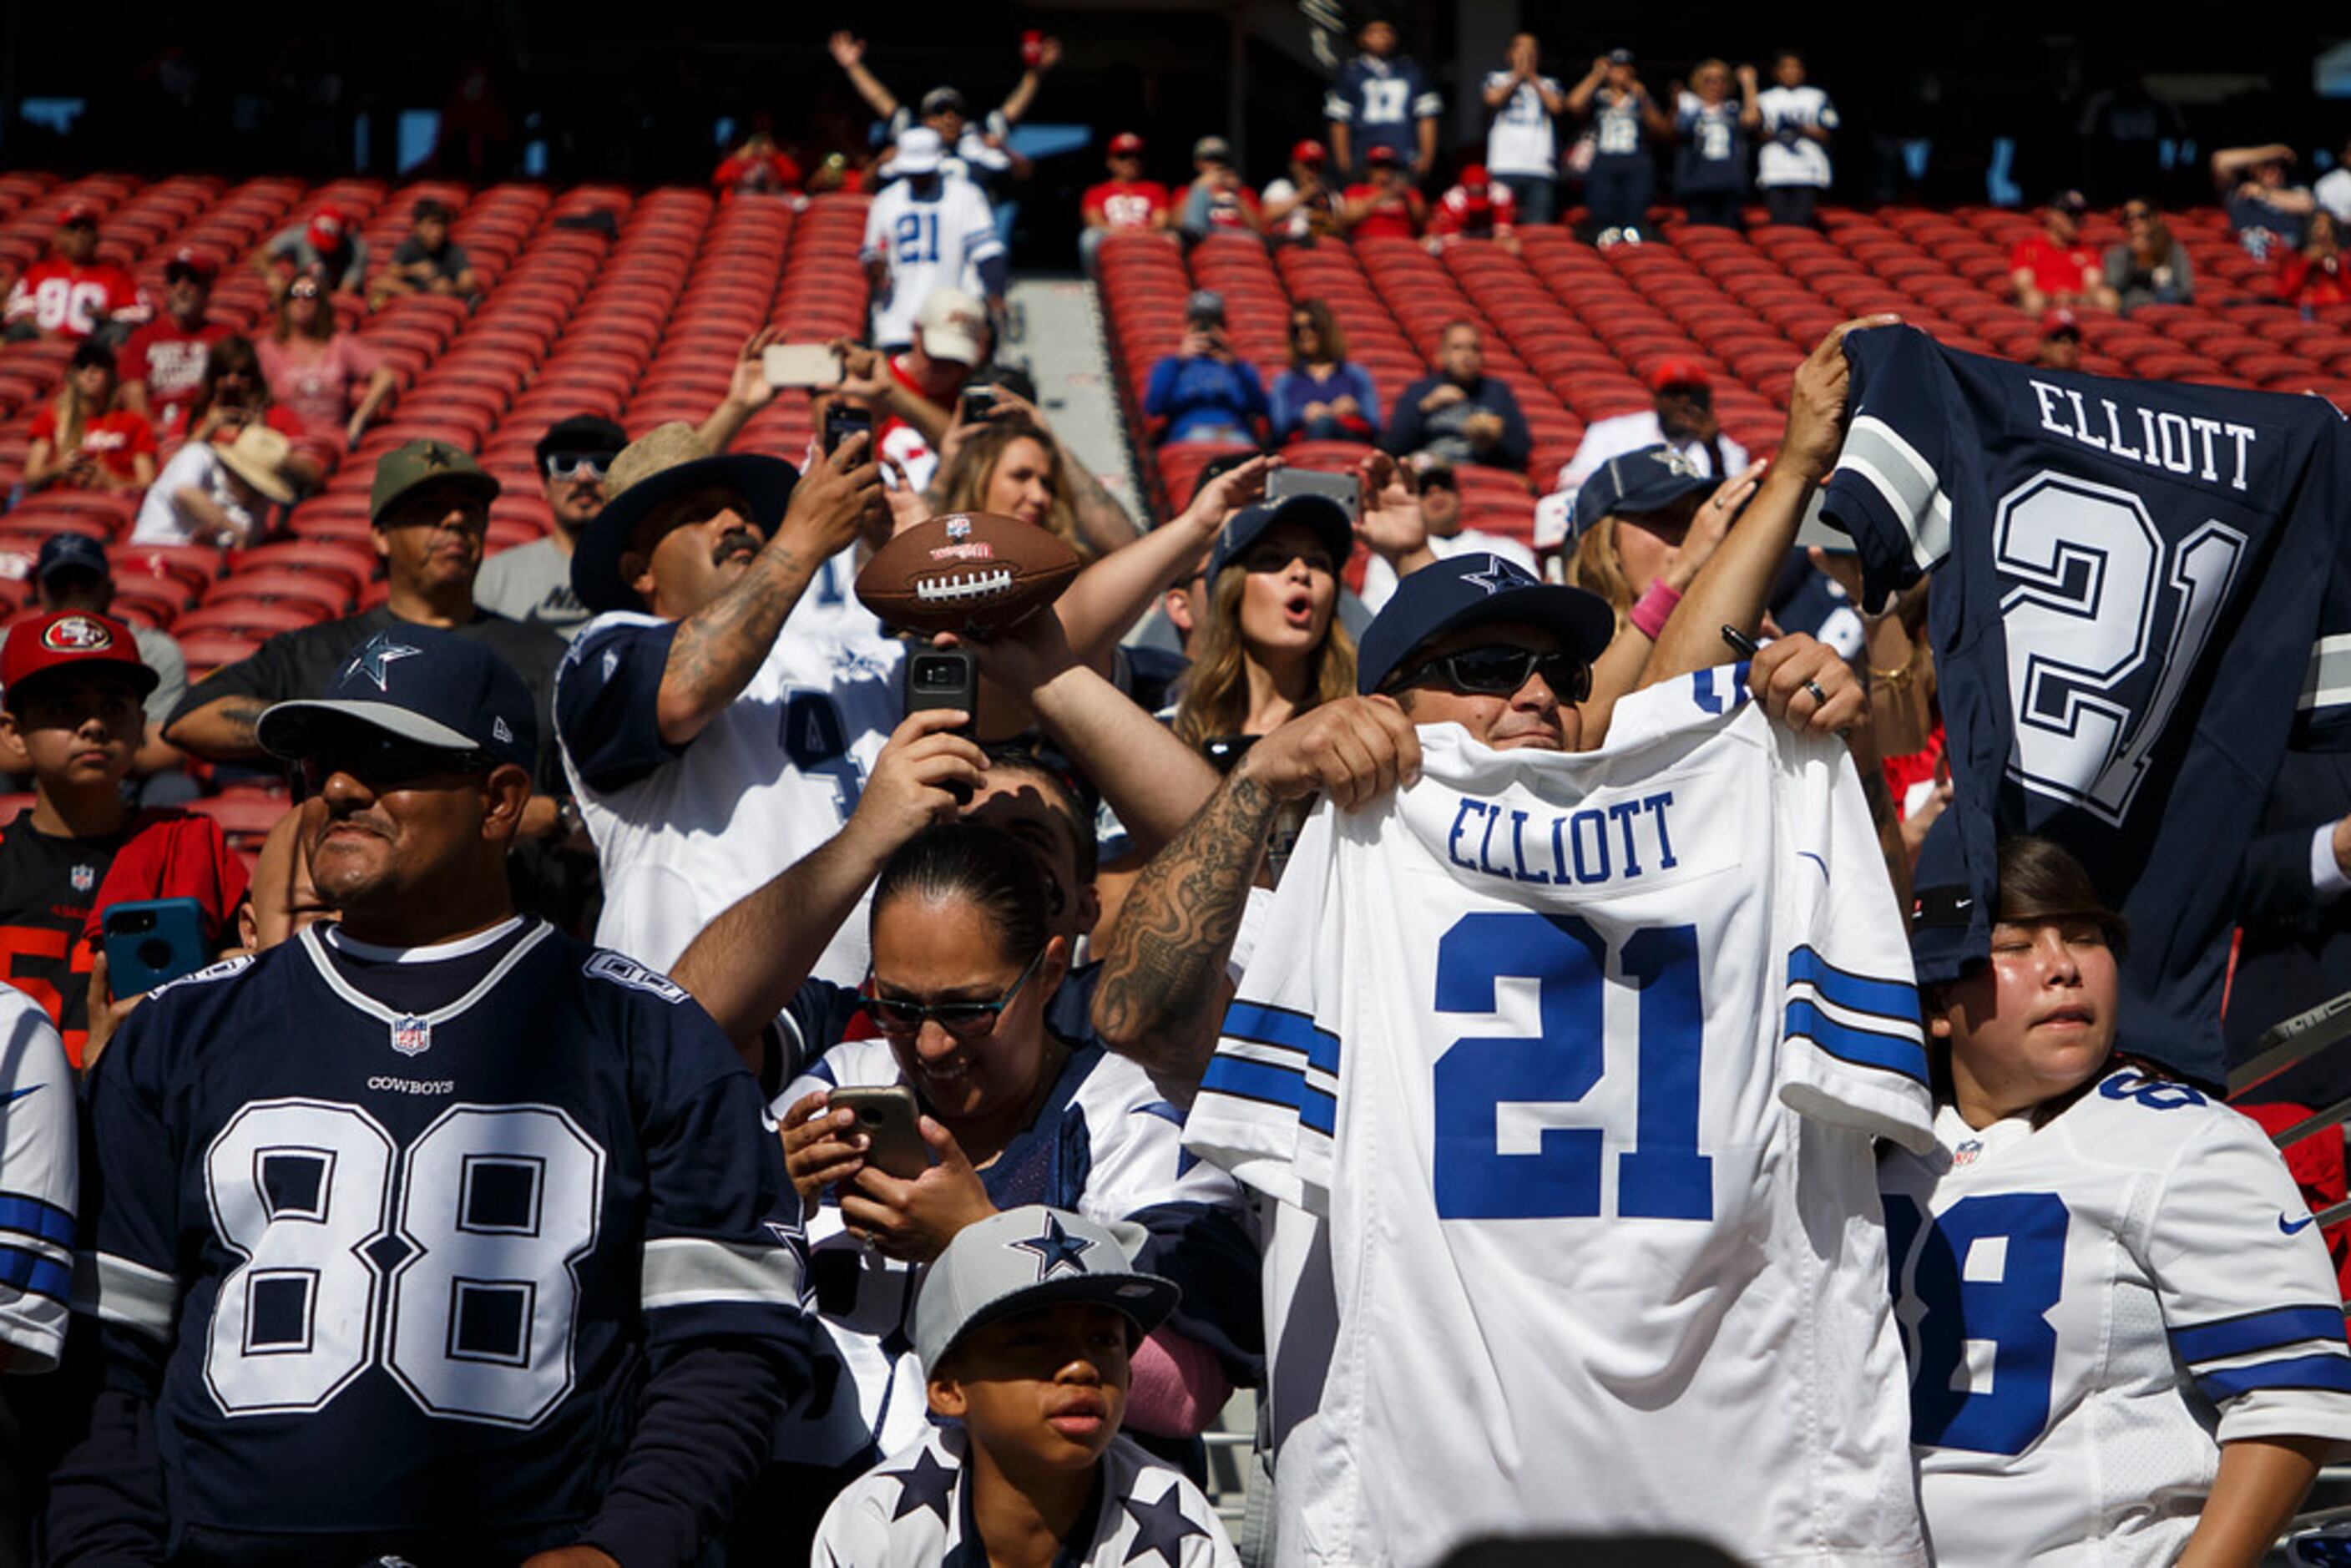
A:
(967, 571)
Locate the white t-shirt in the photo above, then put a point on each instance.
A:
(1591, 1133)
(1522, 139)
(931, 240)
(2333, 192)
(1800, 160)
(1380, 578)
(39, 1185)
(2092, 1308)
(194, 466)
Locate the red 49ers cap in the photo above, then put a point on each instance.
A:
(80, 639)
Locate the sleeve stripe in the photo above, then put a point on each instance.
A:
(1894, 1000)
(2257, 1331)
(121, 1291)
(2328, 682)
(2330, 1370)
(1875, 453)
(1260, 1080)
(1281, 1027)
(20, 1211)
(1865, 1048)
(1319, 1114)
(688, 1271)
(36, 1273)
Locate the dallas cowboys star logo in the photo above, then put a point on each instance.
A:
(1055, 1250)
(1498, 575)
(375, 657)
(924, 1484)
(1161, 1528)
(1675, 461)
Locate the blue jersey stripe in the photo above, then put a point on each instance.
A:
(36, 1273)
(1319, 1113)
(20, 1211)
(1895, 999)
(1258, 1081)
(2331, 1371)
(1865, 1048)
(1281, 1027)
(2257, 1331)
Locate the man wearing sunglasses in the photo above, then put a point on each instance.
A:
(489, 1208)
(532, 584)
(163, 362)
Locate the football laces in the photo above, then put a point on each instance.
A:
(961, 587)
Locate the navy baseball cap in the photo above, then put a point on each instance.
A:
(71, 552)
(1648, 479)
(1245, 527)
(421, 684)
(1477, 589)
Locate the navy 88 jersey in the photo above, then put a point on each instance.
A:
(406, 1270)
(2142, 597)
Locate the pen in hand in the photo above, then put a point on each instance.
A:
(1744, 645)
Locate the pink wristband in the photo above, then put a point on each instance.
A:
(1650, 613)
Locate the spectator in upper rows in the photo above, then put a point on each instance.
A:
(69, 295)
(163, 362)
(81, 440)
(427, 261)
(1303, 205)
(1797, 119)
(2332, 190)
(1322, 397)
(1475, 208)
(2315, 275)
(2055, 267)
(1382, 100)
(977, 150)
(929, 230)
(2061, 341)
(2147, 267)
(1620, 181)
(1127, 203)
(1681, 415)
(532, 584)
(2269, 214)
(757, 168)
(1204, 390)
(1460, 414)
(1387, 205)
(217, 492)
(1217, 199)
(1443, 530)
(327, 246)
(1522, 141)
(325, 376)
(1710, 145)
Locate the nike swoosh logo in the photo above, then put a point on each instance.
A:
(2298, 1226)
(15, 1094)
(1808, 855)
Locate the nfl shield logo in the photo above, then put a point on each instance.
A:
(1965, 1155)
(411, 1035)
(959, 527)
(85, 877)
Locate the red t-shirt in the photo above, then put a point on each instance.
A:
(756, 171)
(1396, 213)
(57, 296)
(2302, 281)
(1492, 211)
(2055, 268)
(114, 439)
(169, 361)
(1127, 203)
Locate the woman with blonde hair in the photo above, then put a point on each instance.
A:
(82, 441)
(1014, 467)
(328, 379)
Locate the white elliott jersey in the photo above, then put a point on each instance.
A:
(1591, 1133)
(930, 240)
(39, 1172)
(914, 1510)
(770, 778)
(2091, 1309)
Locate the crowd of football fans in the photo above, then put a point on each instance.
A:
(670, 727)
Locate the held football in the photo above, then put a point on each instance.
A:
(966, 573)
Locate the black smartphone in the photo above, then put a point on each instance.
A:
(151, 940)
(1223, 750)
(842, 420)
(976, 402)
(944, 678)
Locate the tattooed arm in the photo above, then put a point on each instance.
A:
(219, 731)
(720, 646)
(1163, 987)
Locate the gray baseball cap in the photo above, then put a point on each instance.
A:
(1027, 1258)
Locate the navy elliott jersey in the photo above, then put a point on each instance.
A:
(2144, 597)
(404, 1263)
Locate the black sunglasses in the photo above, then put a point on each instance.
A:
(579, 465)
(384, 762)
(902, 1018)
(1498, 669)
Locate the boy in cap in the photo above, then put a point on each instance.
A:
(1024, 1324)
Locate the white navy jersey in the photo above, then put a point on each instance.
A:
(39, 1184)
(930, 238)
(1788, 158)
(914, 1511)
(1106, 1145)
(387, 1259)
(682, 832)
(2090, 1309)
(1590, 1127)
(1522, 139)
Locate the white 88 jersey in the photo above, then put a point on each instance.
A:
(466, 1291)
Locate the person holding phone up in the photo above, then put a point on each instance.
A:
(1204, 390)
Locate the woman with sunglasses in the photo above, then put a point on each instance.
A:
(2124, 1336)
(1322, 396)
(2147, 266)
(960, 1010)
(333, 383)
